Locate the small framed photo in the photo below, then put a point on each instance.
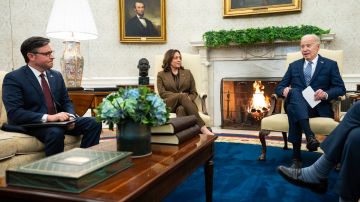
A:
(255, 7)
(142, 21)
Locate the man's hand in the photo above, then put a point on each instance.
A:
(286, 91)
(320, 95)
(62, 116)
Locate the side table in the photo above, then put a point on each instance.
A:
(353, 96)
(91, 98)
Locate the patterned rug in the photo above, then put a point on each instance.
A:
(233, 136)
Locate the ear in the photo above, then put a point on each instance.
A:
(31, 56)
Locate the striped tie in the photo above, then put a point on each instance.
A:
(307, 73)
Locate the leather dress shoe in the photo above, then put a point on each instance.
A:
(297, 163)
(312, 144)
(292, 175)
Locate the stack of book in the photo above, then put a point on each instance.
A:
(176, 131)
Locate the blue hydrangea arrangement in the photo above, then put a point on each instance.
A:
(138, 104)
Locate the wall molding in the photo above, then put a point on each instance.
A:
(94, 82)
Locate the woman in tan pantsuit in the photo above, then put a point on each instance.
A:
(176, 86)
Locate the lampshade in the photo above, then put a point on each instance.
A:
(71, 20)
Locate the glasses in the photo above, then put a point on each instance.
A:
(48, 54)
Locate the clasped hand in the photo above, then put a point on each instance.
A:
(62, 116)
(319, 94)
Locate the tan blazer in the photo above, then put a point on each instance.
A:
(167, 87)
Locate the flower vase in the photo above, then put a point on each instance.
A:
(134, 137)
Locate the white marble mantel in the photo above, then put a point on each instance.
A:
(261, 60)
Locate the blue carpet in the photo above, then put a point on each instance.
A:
(238, 176)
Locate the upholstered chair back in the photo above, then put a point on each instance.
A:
(3, 115)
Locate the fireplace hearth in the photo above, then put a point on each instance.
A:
(245, 101)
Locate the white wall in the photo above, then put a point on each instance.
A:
(106, 59)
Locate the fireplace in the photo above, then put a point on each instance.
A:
(247, 63)
(245, 101)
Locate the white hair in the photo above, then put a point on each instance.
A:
(314, 36)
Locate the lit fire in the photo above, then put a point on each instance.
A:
(259, 103)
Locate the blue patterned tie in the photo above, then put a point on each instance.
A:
(307, 73)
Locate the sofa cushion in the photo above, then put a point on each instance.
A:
(26, 144)
(19, 160)
(7, 147)
(3, 116)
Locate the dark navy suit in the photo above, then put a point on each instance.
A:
(25, 103)
(135, 28)
(325, 77)
(342, 145)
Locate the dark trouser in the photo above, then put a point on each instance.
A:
(183, 105)
(53, 137)
(342, 145)
(298, 110)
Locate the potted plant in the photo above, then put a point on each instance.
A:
(134, 111)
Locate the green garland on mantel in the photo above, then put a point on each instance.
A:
(259, 35)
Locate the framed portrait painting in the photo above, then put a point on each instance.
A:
(255, 7)
(142, 21)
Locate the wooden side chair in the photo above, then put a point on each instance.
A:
(277, 119)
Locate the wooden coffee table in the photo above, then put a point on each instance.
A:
(149, 179)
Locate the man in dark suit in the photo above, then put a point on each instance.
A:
(341, 146)
(323, 76)
(138, 25)
(35, 93)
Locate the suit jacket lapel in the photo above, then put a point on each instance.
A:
(181, 78)
(170, 80)
(301, 70)
(319, 65)
(33, 80)
(51, 80)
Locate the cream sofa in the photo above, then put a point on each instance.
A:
(17, 148)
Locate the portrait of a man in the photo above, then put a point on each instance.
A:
(255, 7)
(143, 20)
(257, 3)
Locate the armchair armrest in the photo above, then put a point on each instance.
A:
(275, 101)
(336, 106)
(203, 97)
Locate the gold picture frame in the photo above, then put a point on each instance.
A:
(148, 28)
(255, 7)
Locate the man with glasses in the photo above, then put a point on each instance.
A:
(35, 93)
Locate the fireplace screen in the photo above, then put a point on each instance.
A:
(245, 101)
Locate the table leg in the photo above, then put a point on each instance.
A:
(209, 173)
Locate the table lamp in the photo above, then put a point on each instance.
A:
(72, 21)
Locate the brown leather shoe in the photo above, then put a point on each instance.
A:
(312, 144)
(297, 163)
(292, 175)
